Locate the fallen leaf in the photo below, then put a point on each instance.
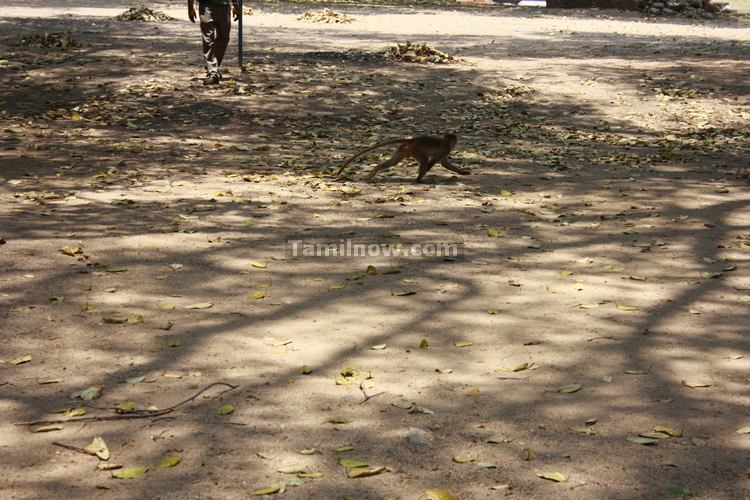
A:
(89, 393)
(557, 477)
(464, 459)
(279, 487)
(654, 435)
(135, 319)
(98, 448)
(130, 473)
(472, 392)
(528, 454)
(50, 380)
(125, 407)
(694, 384)
(462, 343)
(71, 251)
(624, 307)
(351, 463)
(168, 461)
(305, 370)
(378, 347)
(438, 494)
(258, 264)
(364, 472)
(199, 305)
(21, 360)
(226, 409)
(48, 428)
(424, 344)
(583, 430)
(260, 294)
(498, 438)
(668, 430)
(570, 388)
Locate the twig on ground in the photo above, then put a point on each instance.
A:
(135, 414)
(367, 397)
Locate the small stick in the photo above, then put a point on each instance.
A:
(367, 398)
(138, 414)
(69, 447)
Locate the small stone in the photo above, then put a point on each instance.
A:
(654, 12)
(418, 436)
(657, 5)
(668, 12)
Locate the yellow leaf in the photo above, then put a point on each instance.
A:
(130, 473)
(695, 384)
(21, 360)
(462, 343)
(98, 448)
(279, 487)
(48, 428)
(169, 461)
(352, 464)
(260, 294)
(668, 430)
(364, 472)
(126, 407)
(378, 347)
(473, 392)
(464, 459)
(552, 476)
(258, 264)
(71, 251)
(226, 409)
(623, 307)
(438, 494)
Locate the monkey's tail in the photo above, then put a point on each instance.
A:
(376, 146)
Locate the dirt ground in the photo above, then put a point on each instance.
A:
(605, 231)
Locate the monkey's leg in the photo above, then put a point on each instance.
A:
(425, 164)
(393, 160)
(444, 162)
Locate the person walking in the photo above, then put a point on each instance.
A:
(216, 24)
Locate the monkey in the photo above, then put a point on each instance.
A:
(426, 149)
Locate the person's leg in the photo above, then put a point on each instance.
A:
(209, 34)
(223, 20)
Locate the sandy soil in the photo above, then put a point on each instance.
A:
(606, 233)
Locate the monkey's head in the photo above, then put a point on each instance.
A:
(452, 139)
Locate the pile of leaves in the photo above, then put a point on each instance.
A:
(688, 8)
(145, 14)
(327, 16)
(417, 53)
(49, 40)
